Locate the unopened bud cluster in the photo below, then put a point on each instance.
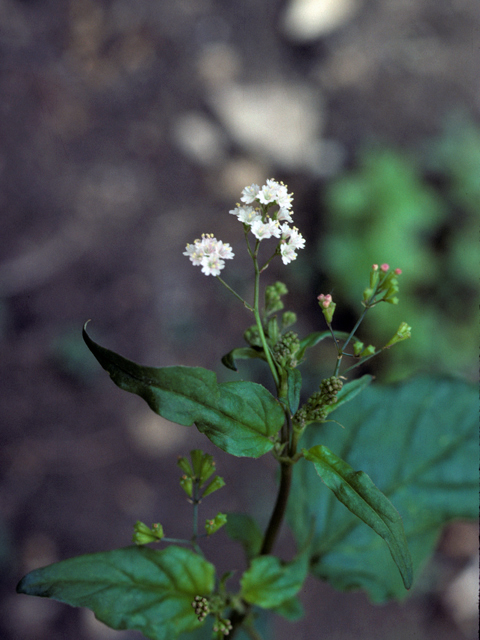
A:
(315, 409)
(222, 625)
(286, 348)
(143, 534)
(201, 607)
(273, 297)
(383, 285)
(197, 472)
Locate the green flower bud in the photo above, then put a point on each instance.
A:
(143, 534)
(281, 288)
(272, 299)
(367, 294)
(374, 276)
(252, 336)
(186, 483)
(201, 606)
(288, 318)
(329, 311)
(216, 484)
(211, 526)
(403, 332)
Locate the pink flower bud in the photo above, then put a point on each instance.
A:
(325, 300)
(385, 267)
(398, 272)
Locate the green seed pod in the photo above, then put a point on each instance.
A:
(207, 468)
(215, 484)
(197, 460)
(186, 483)
(185, 466)
(211, 526)
(143, 534)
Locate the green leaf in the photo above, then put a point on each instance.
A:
(243, 528)
(349, 391)
(290, 609)
(241, 353)
(358, 493)
(269, 582)
(238, 417)
(294, 382)
(131, 588)
(418, 441)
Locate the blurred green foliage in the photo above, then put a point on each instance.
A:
(419, 213)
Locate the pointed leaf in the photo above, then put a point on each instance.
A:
(131, 588)
(269, 582)
(418, 441)
(358, 493)
(238, 417)
(241, 353)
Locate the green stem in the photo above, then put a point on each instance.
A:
(258, 320)
(362, 361)
(278, 512)
(350, 336)
(235, 293)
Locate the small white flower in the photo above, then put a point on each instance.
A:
(284, 214)
(287, 252)
(264, 230)
(294, 237)
(193, 252)
(224, 250)
(209, 253)
(268, 193)
(246, 214)
(284, 199)
(249, 194)
(212, 265)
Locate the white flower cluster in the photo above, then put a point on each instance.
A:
(256, 213)
(209, 253)
(267, 213)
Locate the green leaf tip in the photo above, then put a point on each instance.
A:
(240, 418)
(358, 493)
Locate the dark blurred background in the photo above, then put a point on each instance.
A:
(130, 127)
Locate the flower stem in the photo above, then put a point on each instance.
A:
(258, 320)
(237, 295)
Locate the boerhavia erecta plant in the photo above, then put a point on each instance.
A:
(365, 503)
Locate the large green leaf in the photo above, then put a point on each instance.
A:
(357, 492)
(238, 417)
(132, 588)
(243, 528)
(418, 441)
(269, 582)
